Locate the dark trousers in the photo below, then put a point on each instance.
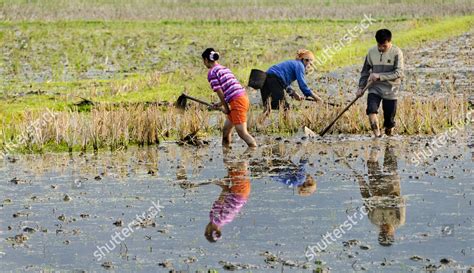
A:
(389, 108)
(273, 93)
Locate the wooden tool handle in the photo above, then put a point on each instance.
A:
(198, 100)
(323, 132)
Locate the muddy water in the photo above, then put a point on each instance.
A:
(58, 210)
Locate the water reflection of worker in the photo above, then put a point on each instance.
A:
(382, 199)
(295, 175)
(234, 195)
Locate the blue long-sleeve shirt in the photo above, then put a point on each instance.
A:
(288, 72)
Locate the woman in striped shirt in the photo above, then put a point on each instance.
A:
(233, 98)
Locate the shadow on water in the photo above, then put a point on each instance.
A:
(291, 206)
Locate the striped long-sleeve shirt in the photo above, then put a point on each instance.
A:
(221, 77)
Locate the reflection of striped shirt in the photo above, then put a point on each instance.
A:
(221, 77)
(224, 212)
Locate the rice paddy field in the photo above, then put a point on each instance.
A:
(102, 173)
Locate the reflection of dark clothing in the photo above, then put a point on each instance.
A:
(386, 181)
(389, 108)
(274, 90)
(291, 174)
(382, 193)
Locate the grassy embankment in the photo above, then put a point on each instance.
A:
(153, 61)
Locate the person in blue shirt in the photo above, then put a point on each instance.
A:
(280, 77)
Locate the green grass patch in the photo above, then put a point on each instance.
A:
(155, 61)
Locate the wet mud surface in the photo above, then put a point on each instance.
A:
(270, 206)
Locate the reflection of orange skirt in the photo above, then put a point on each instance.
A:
(238, 109)
(240, 182)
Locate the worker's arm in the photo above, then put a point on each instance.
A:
(225, 109)
(217, 87)
(364, 75)
(365, 72)
(304, 87)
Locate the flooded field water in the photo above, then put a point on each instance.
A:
(277, 208)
